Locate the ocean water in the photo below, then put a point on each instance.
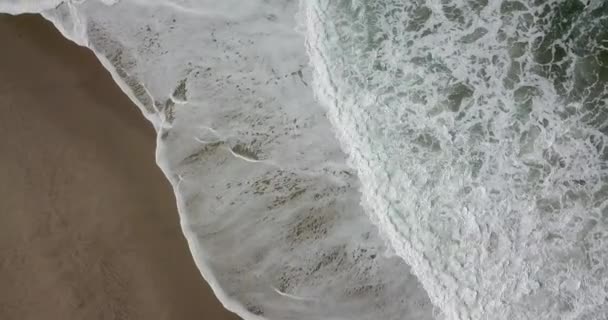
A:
(333, 159)
(478, 130)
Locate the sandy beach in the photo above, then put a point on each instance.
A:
(88, 224)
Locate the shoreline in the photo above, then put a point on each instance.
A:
(92, 229)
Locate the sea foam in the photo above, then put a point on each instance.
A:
(478, 129)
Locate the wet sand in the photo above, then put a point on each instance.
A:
(88, 223)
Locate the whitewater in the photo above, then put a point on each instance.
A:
(389, 159)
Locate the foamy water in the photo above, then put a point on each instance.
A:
(478, 130)
(473, 177)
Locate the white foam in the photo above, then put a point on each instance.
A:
(27, 6)
(472, 160)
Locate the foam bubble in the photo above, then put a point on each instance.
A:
(478, 132)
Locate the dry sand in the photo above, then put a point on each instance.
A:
(88, 224)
